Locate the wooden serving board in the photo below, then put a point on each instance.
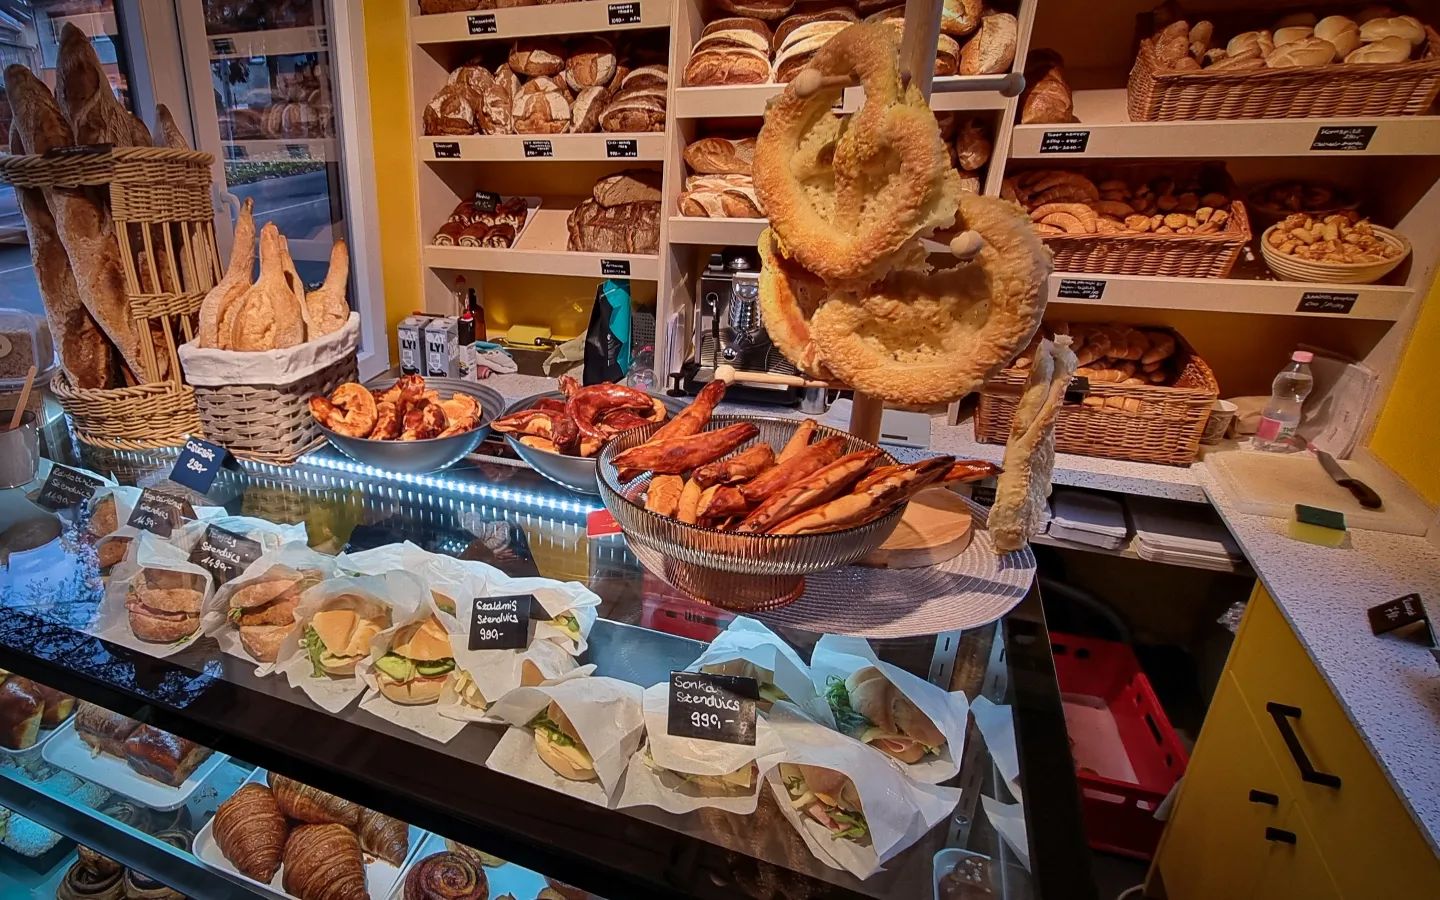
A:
(935, 528)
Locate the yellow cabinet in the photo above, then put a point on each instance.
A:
(1294, 864)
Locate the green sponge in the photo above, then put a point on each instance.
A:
(1315, 525)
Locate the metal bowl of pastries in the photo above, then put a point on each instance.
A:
(577, 473)
(740, 571)
(427, 454)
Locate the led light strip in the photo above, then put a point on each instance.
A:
(478, 489)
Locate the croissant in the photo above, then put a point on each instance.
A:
(323, 862)
(312, 805)
(251, 831)
(384, 837)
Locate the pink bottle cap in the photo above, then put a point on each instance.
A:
(1302, 356)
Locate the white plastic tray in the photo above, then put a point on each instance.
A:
(507, 879)
(45, 735)
(380, 877)
(66, 751)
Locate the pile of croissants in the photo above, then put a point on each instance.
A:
(274, 311)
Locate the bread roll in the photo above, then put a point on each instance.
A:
(1291, 34)
(1259, 41)
(1392, 49)
(537, 56)
(721, 156)
(1341, 32)
(730, 66)
(1407, 27)
(1310, 51)
(992, 50)
(591, 62)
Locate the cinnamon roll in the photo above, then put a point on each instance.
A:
(84, 883)
(446, 876)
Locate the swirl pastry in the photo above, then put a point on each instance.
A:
(312, 805)
(97, 863)
(84, 883)
(250, 831)
(384, 837)
(446, 876)
(323, 862)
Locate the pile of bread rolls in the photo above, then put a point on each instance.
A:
(1113, 353)
(622, 215)
(473, 224)
(547, 85)
(1375, 35)
(1068, 202)
(766, 41)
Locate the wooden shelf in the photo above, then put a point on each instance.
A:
(541, 251)
(1235, 295)
(744, 100)
(262, 149)
(718, 232)
(559, 18)
(1109, 133)
(275, 42)
(647, 146)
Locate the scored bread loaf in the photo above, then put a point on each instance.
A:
(586, 108)
(629, 186)
(787, 27)
(646, 77)
(961, 17)
(641, 109)
(540, 111)
(992, 49)
(537, 56)
(732, 37)
(733, 65)
(96, 115)
(455, 109)
(1047, 99)
(721, 156)
(628, 228)
(591, 62)
(731, 22)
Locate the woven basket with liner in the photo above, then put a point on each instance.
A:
(1157, 255)
(159, 199)
(1165, 428)
(256, 404)
(1336, 90)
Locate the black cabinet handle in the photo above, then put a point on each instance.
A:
(1264, 797)
(1282, 715)
(1280, 836)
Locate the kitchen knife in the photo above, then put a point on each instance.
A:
(1368, 498)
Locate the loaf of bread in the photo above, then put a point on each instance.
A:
(787, 27)
(731, 22)
(81, 86)
(1047, 99)
(629, 228)
(586, 108)
(992, 50)
(540, 111)
(22, 709)
(730, 66)
(455, 109)
(634, 109)
(537, 56)
(102, 730)
(720, 196)
(163, 756)
(721, 156)
(473, 75)
(496, 102)
(629, 186)
(769, 10)
(646, 77)
(732, 37)
(961, 17)
(591, 62)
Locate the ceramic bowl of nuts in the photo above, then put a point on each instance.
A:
(1339, 248)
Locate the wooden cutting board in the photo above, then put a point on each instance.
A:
(935, 527)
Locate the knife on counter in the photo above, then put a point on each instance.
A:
(1367, 497)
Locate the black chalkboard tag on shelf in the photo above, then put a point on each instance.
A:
(222, 46)
(624, 13)
(1343, 137)
(159, 512)
(1335, 302)
(199, 463)
(1064, 141)
(1077, 390)
(621, 147)
(78, 150)
(487, 201)
(481, 23)
(501, 623)
(446, 149)
(537, 148)
(66, 488)
(1080, 289)
(712, 707)
(224, 554)
(613, 267)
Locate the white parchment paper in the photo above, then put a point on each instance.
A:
(749, 640)
(422, 718)
(295, 558)
(149, 552)
(498, 672)
(996, 724)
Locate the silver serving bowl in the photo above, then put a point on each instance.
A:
(430, 455)
(577, 473)
(750, 572)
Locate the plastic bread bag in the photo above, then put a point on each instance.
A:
(346, 612)
(681, 774)
(155, 602)
(110, 521)
(483, 676)
(749, 648)
(587, 727)
(253, 613)
(406, 668)
(564, 611)
(851, 807)
(919, 725)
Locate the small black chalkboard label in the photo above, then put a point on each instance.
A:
(224, 554)
(66, 488)
(158, 512)
(534, 148)
(712, 707)
(624, 13)
(1327, 302)
(222, 46)
(1080, 289)
(1343, 137)
(1400, 613)
(78, 150)
(447, 149)
(621, 147)
(1064, 141)
(1077, 390)
(481, 23)
(614, 267)
(199, 463)
(487, 201)
(501, 623)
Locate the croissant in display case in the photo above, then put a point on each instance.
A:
(251, 831)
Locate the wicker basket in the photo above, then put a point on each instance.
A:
(1157, 255)
(1164, 429)
(1335, 90)
(159, 199)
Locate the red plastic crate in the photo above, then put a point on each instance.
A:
(1127, 757)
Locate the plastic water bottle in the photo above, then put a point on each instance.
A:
(1282, 414)
(642, 370)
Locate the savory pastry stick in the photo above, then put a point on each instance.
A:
(693, 417)
(671, 457)
(964, 471)
(896, 485)
(805, 462)
(740, 467)
(799, 440)
(1030, 452)
(688, 508)
(721, 502)
(816, 489)
(662, 495)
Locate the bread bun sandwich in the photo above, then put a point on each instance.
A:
(869, 707)
(828, 797)
(744, 668)
(164, 606)
(559, 745)
(264, 611)
(417, 664)
(338, 636)
(568, 623)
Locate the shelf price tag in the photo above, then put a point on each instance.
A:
(481, 23)
(66, 489)
(1403, 612)
(1080, 289)
(624, 13)
(712, 707)
(446, 149)
(1336, 302)
(501, 623)
(537, 148)
(222, 46)
(621, 147)
(1343, 137)
(224, 554)
(615, 267)
(198, 464)
(159, 512)
(1064, 141)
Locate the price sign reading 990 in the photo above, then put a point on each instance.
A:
(712, 707)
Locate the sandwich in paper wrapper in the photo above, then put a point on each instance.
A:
(269, 535)
(482, 677)
(253, 614)
(919, 725)
(337, 621)
(852, 808)
(110, 522)
(575, 737)
(407, 667)
(155, 601)
(750, 649)
(681, 774)
(567, 610)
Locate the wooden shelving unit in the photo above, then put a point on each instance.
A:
(603, 146)
(587, 17)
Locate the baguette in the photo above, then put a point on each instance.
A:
(167, 133)
(94, 112)
(218, 309)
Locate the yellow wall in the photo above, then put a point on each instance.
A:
(1407, 436)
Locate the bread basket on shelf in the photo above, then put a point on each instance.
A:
(164, 236)
(1293, 268)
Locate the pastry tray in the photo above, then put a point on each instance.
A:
(66, 751)
(509, 878)
(531, 205)
(380, 877)
(45, 735)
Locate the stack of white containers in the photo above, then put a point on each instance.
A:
(1097, 520)
(1183, 534)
